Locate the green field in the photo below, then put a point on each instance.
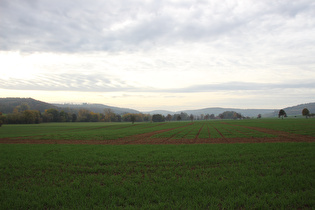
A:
(260, 176)
(187, 176)
(188, 130)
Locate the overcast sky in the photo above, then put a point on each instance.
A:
(159, 54)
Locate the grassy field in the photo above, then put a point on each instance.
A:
(268, 176)
(188, 130)
(187, 176)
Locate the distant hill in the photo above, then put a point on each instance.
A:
(8, 104)
(97, 108)
(217, 110)
(295, 110)
(162, 112)
(291, 111)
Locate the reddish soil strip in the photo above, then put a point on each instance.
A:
(208, 131)
(218, 131)
(274, 132)
(199, 131)
(172, 136)
(147, 136)
(160, 141)
(236, 130)
(227, 130)
(189, 132)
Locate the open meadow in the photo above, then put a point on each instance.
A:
(257, 163)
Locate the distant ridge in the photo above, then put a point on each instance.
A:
(8, 104)
(97, 108)
(295, 110)
(217, 110)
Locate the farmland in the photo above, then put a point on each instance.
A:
(167, 132)
(178, 165)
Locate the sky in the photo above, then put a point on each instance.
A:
(159, 54)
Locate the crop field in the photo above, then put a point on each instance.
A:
(228, 164)
(228, 131)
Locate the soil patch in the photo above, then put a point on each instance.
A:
(147, 140)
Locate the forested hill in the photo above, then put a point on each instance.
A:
(97, 108)
(7, 105)
(296, 110)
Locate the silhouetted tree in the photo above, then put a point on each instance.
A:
(169, 117)
(184, 116)
(230, 115)
(282, 113)
(84, 115)
(1, 119)
(109, 115)
(158, 118)
(191, 116)
(305, 112)
(74, 117)
(132, 118)
(53, 114)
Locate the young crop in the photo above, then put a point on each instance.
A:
(169, 130)
(233, 176)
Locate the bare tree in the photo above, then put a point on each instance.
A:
(191, 117)
(169, 117)
(109, 114)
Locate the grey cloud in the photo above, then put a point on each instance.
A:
(102, 83)
(87, 26)
(68, 82)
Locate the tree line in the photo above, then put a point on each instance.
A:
(305, 112)
(22, 114)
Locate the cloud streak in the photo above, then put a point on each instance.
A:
(67, 82)
(102, 83)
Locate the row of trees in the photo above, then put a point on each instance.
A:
(305, 112)
(23, 115)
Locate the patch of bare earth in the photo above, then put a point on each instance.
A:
(146, 138)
